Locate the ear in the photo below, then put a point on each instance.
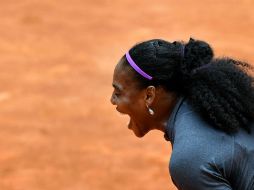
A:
(150, 95)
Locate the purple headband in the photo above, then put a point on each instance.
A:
(136, 68)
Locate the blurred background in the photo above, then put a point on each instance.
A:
(58, 130)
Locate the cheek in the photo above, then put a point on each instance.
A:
(134, 109)
(123, 105)
(130, 103)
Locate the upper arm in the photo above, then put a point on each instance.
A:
(212, 177)
(205, 177)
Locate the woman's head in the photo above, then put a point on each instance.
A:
(130, 99)
(161, 67)
(219, 89)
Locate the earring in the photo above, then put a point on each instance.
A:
(151, 112)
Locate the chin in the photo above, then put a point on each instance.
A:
(139, 134)
(137, 129)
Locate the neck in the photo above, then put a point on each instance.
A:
(163, 109)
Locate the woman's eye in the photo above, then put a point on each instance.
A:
(117, 93)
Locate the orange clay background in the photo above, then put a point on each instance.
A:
(58, 128)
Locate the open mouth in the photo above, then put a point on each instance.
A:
(130, 122)
(129, 125)
(117, 110)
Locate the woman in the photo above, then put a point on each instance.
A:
(204, 106)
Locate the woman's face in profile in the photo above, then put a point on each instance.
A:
(129, 99)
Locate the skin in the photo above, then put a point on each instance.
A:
(131, 100)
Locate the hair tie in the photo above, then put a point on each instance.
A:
(194, 71)
(182, 52)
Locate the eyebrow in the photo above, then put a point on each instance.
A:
(117, 87)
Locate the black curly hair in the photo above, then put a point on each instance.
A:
(220, 89)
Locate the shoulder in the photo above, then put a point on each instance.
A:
(193, 134)
(205, 155)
